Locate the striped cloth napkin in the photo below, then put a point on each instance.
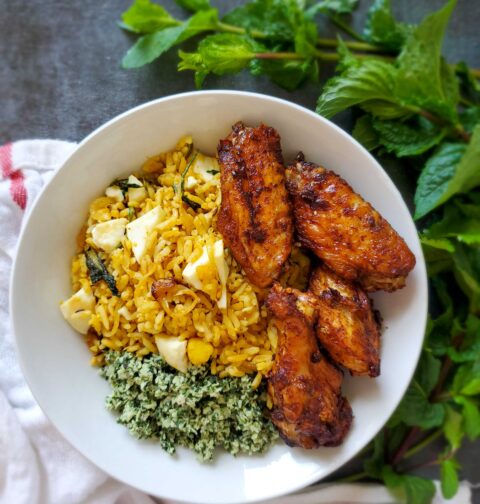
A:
(37, 466)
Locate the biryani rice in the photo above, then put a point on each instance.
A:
(243, 340)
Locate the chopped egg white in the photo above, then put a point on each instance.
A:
(114, 192)
(132, 180)
(139, 229)
(222, 268)
(190, 271)
(136, 194)
(204, 165)
(190, 183)
(174, 351)
(77, 310)
(109, 234)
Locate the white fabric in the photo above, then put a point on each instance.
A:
(37, 466)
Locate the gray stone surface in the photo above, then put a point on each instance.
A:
(60, 77)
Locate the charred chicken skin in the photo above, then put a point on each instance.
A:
(345, 231)
(347, 327)
(308, 408)
(255, 218)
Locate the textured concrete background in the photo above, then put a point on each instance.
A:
(60, 77)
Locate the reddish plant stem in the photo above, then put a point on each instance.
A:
(409, 440)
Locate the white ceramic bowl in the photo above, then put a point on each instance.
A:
(55, 359)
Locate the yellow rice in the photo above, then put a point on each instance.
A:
(242, 337)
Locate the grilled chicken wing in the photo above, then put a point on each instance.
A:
(347, 327)
(308, 408)
(255, 218)
(345, 231)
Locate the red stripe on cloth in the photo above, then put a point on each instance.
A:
(18, 191)
(6, 160)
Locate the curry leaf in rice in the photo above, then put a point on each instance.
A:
(97, 271)
(124, 184)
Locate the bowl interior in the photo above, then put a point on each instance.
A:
(56, 362)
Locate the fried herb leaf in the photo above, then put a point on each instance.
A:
(97, 271)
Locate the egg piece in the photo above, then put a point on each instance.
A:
(190, 271)
(136, 194)
(190, 183)
(139, 229)
(115, 193)
(77, 310)
(174, 351)
(203, 166)
(109, 234)
(222, 268)
(191, 277)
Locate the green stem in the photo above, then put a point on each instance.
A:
(422, 444)
(344, 27)
(228, 28)
(353, 45)
(279, 56)
(321, 42)
(352, 478)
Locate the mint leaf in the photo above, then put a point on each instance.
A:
(469, 85)
(467, 273)
(194, 5)
(288, 74)
(416, 490)
(469, 118)
(449, 477)
(333, 7)
(456, 223)
(427, 372)
(150, 47)
(434, 183)
(438, 255)
(144, 16)
(373, 466)
(364, 133)
(469, 350)
(471, 417)
(467, 379)
(424, 79)
(416, 410)
(408, 138)
(369, 84)
(381, 27)
(453, 427)
(220, 54)
(440, 328)
(272, 18)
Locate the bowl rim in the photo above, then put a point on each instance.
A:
(179, 96)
